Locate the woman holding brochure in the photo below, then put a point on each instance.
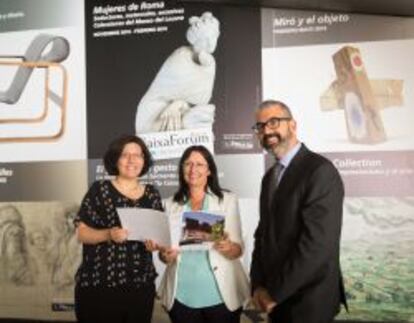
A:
(204, 285)
(115, 281)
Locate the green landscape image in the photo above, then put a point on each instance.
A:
(377, 258)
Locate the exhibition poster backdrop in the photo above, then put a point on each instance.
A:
(43, 167)
(176, 75)
(349, 80)
(166, 71)
(179, 74)
(173, 74)
(42, 100)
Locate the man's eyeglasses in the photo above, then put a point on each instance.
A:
(272, 123)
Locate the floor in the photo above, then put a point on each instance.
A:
(160, 316)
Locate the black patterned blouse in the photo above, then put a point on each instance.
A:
(108, 264)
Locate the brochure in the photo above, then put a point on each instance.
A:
(201, 227)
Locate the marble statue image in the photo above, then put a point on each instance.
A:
(179, 96)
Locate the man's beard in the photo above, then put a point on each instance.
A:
(270, 146)
(280, 147)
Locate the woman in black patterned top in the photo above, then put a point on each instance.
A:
(115, 281)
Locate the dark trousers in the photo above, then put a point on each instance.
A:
(98, 305)
(284, 315)
(212, 314)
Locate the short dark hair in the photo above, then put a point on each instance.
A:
(115, 149)
(183, 193)
(270, 103)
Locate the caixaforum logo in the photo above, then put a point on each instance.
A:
(171, 144)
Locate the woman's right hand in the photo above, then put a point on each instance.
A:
(118, 234)
(168, 255)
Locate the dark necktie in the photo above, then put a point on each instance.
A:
(274, 181)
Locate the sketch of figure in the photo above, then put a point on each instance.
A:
(14, 264)
(40, 247)
(68, 251)
(179, 97)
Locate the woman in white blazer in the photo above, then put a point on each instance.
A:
(204, 285)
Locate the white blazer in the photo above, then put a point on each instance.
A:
(230, 276)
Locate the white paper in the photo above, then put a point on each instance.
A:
(145, 224)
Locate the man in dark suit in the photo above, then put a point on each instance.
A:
(295, 272)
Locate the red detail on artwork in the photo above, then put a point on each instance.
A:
(357, 61)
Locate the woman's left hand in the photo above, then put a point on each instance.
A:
(227, 248)
(151, 245)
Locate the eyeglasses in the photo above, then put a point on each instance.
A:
(194, 165)
(127, 156)
(272, 123)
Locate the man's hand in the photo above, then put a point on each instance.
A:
(263, 301)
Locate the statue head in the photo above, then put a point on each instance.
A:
(203, 32)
